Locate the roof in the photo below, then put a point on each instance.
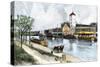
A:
(83, 25)
(57, 30)
(68, 24)
(72, 14)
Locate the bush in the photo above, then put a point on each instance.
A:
(20, 55)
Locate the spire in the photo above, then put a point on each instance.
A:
(72, 14)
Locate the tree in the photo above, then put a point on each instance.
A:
(23, 25)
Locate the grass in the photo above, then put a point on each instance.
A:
(21, 56)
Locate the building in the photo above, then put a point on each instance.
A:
(65, 28)
(71, 29)
(73, 22)
(68, 28)
(86, 31)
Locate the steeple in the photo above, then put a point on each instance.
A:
(72, 14)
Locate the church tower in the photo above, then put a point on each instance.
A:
(72, 20)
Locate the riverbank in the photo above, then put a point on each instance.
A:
(46, 58)
(37, 56)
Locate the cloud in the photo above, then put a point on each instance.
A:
(52, 15)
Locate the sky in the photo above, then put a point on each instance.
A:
(51, 15)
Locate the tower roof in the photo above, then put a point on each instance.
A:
(72, 14)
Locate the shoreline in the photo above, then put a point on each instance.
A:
(42, 58)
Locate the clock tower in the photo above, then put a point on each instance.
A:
(72, 20)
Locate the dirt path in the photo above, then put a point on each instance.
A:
(41, 59)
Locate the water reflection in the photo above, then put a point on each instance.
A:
(86, 51)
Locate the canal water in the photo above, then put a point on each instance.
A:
(86, 51)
